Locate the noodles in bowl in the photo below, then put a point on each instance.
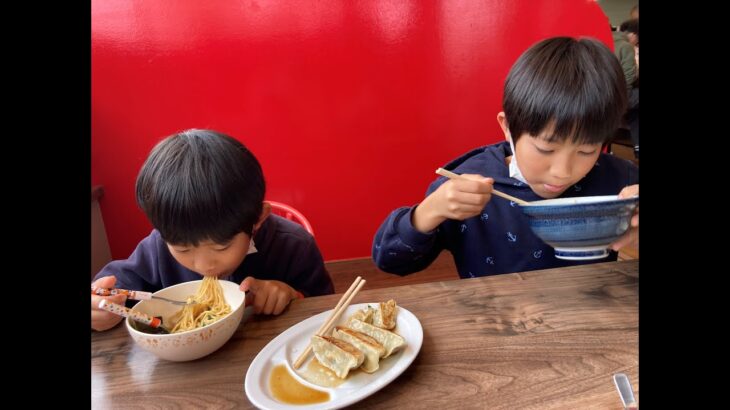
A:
(201, 328)
(210, 306)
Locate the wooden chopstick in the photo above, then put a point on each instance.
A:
(340, 308)
(336, 316)
(451, 175)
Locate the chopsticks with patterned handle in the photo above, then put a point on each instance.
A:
(135, 295)
(155, 322)
(131, 294)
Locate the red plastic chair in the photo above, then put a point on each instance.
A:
(291, 214)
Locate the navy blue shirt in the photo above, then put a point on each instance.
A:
(498, 240)
(285, 252)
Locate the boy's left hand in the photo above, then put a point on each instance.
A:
(267, 296)
(632, 236)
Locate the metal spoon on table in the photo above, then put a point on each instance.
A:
(625, 391)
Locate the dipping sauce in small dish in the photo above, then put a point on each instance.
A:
(285, 388)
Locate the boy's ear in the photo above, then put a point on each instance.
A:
(502, 120)
(265, 212)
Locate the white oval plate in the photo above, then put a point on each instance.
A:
(286, 347)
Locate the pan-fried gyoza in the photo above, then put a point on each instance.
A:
(336, 355)
(370, 347)
(392, 342)
(362, 342)
(385, 316)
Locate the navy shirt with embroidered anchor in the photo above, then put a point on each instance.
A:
(499, 240)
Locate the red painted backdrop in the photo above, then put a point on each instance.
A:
(349, 105)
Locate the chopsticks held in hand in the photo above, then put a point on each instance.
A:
(336, 313)
(451, 175)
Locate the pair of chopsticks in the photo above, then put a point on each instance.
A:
(451, 175)
(336, 313)
(136, 295)
(154, 322)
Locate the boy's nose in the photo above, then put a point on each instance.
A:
(205, 266)
(561, 169)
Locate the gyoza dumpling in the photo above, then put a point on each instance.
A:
(391, 342)
(370, 347)
(366, 315)
(336, 355)
(385, 316)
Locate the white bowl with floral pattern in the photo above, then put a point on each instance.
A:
(191, 344)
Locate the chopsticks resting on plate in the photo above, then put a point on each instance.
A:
(340, 308)
(451, 175)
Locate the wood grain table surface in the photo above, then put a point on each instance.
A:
(532, 340)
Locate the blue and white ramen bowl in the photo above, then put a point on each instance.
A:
(581, 228)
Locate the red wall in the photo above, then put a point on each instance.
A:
(349, 105)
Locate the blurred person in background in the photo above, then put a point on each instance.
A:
(631, 29)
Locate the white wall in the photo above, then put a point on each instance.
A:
(617, 11)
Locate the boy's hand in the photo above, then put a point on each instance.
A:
(632, 236)
(101, 319)
(267, 296)
(455, 199)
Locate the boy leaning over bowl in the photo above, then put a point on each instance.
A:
(203, 192)
(563, 99)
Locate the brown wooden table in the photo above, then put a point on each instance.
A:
(539, 339)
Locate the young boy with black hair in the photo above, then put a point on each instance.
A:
(563, 99)
(203, 192)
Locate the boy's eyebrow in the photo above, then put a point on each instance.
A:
(180, 245)
(214, 243)
(553, 139)
(207, 242)
(549, 137)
